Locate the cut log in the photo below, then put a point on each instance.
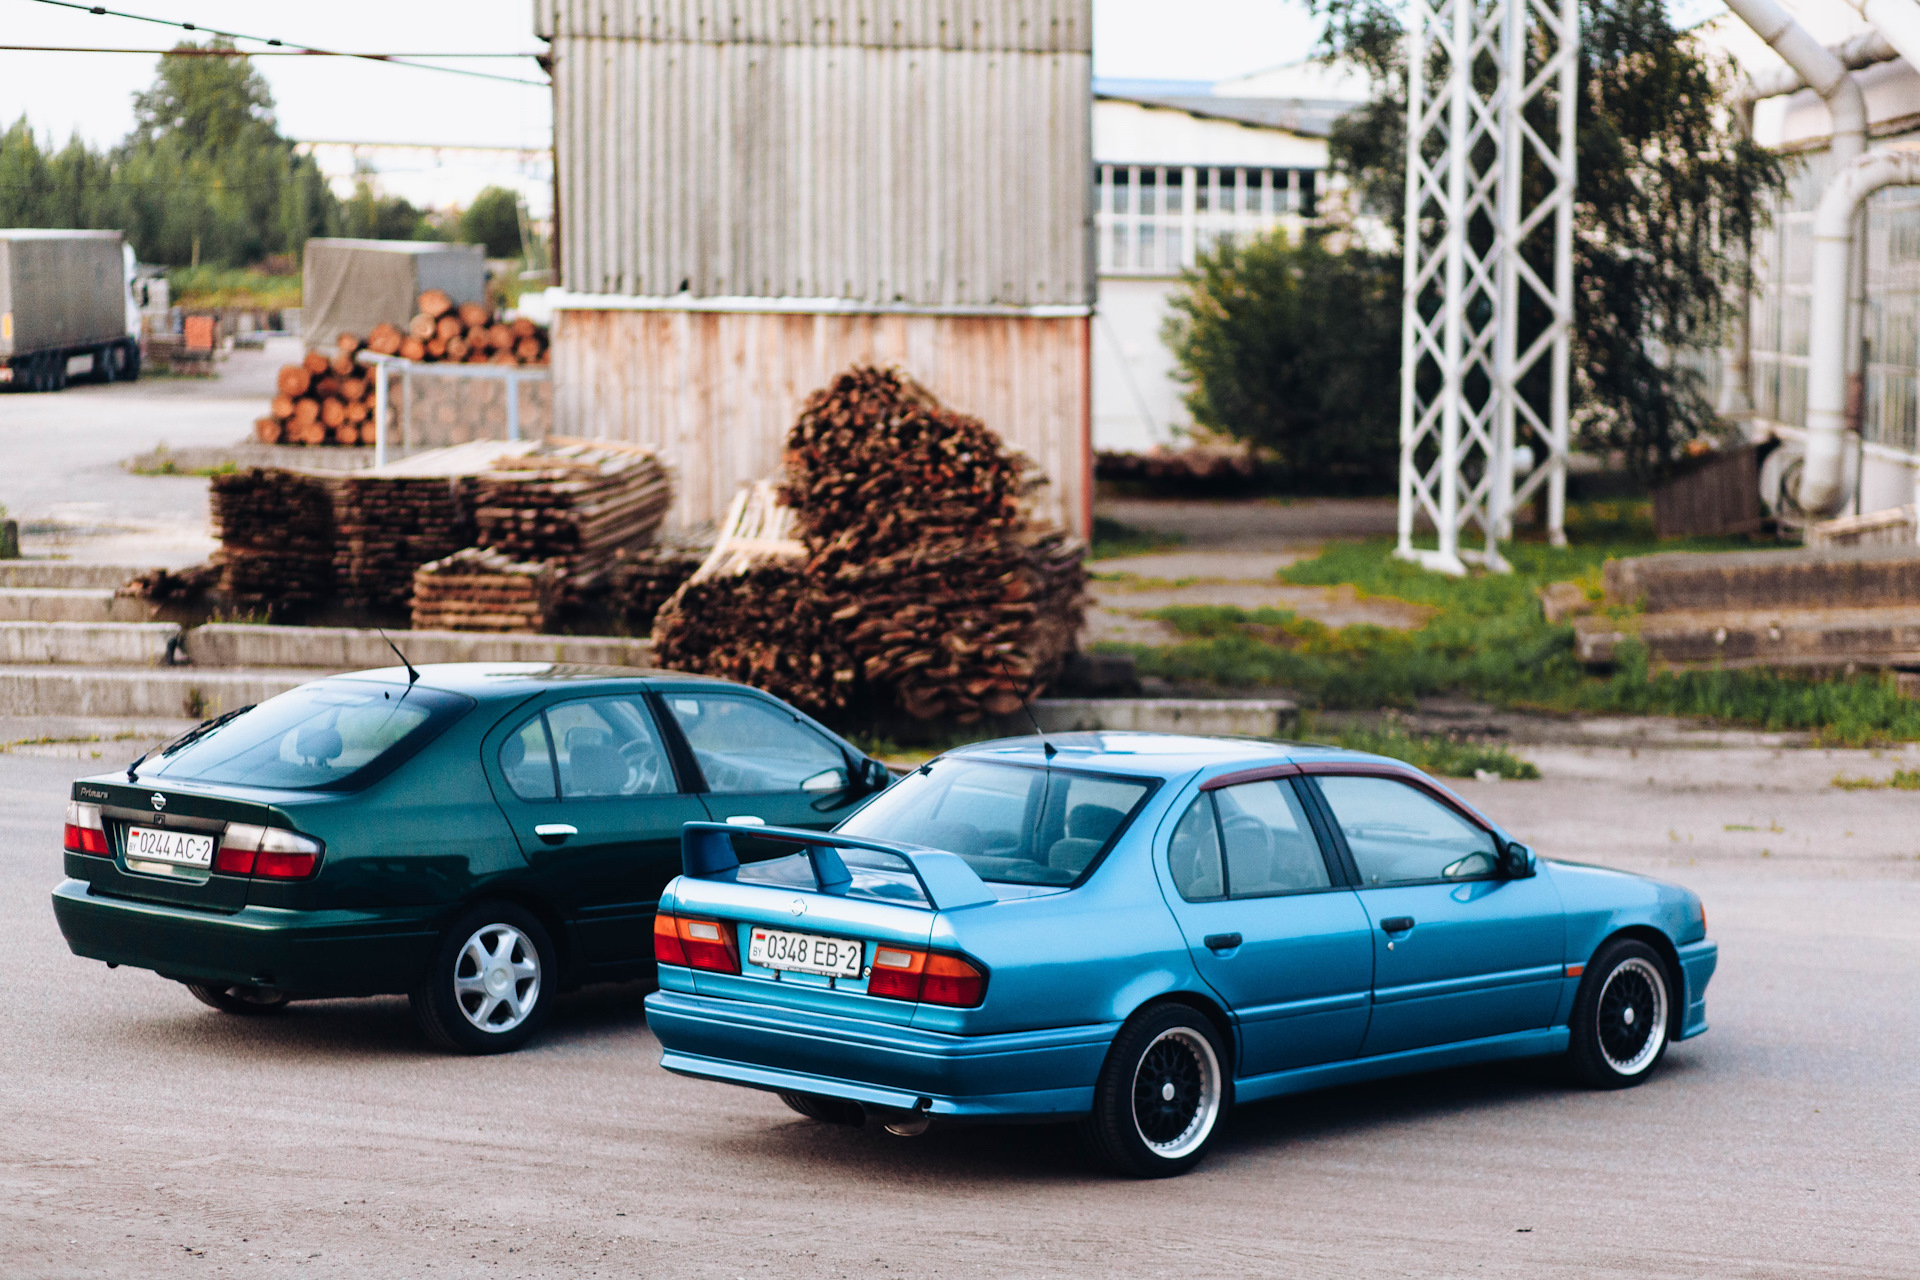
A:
(267, 430)
(316, 363)
(294, 380)
(435, 303)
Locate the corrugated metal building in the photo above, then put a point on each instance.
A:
(753, 194)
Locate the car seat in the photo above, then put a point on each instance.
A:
(594, 766)
(1088, 828)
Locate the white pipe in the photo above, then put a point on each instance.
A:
(1899, 22)
(1824, 73)
(1833, 221)
(1855, 53)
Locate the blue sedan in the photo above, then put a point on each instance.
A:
(1138, 931)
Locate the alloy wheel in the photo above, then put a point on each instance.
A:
(1176, 1092)
(1632, 1016)
(496, 980)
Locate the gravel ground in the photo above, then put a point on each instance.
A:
(141, 1134)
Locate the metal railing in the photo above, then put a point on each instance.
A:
(384, 366)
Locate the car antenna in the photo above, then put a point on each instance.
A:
(412, 675)
(1027, 707)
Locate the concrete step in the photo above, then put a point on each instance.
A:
(1254, 718)
(100, 644)
(228, 644)
(66, 573)
(1803, 578)
(1805, 639)
(69, 604)
(165, 693)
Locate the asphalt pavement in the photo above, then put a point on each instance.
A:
(144, 1135)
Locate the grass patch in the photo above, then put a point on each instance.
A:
(1488, 639)
(168, 467)
(1902, 780)
(1443, 756)
(1113, 539)
(209, 286)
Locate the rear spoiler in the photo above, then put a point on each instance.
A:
(706, 853)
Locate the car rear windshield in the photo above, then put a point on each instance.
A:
(332, 735)
(1013, 824)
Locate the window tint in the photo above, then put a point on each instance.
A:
(1269, 845)
(608, 747)
(1401, 835)
(1010, 823)
(527, 761)
(746, 745)
(1193, 855)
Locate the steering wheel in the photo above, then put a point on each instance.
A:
(643, 764)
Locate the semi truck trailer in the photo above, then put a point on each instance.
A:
(64, 298)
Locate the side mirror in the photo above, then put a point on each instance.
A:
(1516, 862)
(875, 776)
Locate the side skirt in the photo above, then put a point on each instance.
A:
(1520, 1044)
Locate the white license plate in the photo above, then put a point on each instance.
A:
(805, 953)
(181, 848)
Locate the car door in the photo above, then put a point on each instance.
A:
(1460, 952)
(759, 759)
(1270, 925)
(590, 790)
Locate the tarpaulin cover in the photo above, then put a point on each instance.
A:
(353, 285)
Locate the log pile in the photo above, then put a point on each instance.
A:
(329, 399)
(642, 579)
(577, 502)
(481, 590)
(915, 582)
(276, 536)
(386, 527)
(172, 586)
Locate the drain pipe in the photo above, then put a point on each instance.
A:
(1898, 21)
(1817, 66)
(1821, 490)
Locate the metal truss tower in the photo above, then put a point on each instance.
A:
(1491, 96)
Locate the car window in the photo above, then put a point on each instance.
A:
(1193, 854)
(1270, 847)
(1011, 823)
(608, 747)
(1401, 835)
(746, 745)
(526, 760)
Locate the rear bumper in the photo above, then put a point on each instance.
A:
(1022, 1075)
(1698, 961)
(316, 953)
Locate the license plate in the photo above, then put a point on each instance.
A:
(181, 848)
(805, 953)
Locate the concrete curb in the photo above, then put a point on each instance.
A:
(97, 644)
(69, 604)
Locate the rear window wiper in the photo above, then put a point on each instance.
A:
(187, 739)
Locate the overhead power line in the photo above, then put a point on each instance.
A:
(250, 53)
(397, 60)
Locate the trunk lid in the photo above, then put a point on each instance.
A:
(173, 808)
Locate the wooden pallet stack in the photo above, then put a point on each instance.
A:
(578, 502)
(481, 590)
(276, 534)
(900, 571)
(642, 579)
(386, 527)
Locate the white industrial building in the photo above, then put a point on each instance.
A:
(1177, 167)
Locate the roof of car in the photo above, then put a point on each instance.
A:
(1165, 754)
(489, 680)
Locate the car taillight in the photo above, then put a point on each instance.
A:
(266, 853)
(698, 944)
(86, 833)
(930, 977)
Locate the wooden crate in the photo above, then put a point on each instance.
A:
(1720, 495)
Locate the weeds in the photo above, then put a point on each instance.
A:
(168, 467)
(1902, 780)
(211, 286)
(1489, 639)
(1443, 756)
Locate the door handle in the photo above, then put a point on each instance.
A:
(1222, 941)
(1397, 924)
(555, 832)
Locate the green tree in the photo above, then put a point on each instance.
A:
(1669, 192)
(1292, 347)
(369, 215)
(493, 220)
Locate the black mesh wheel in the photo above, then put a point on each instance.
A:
(1623, 1015)
(1162, 1092)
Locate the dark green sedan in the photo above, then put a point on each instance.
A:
(477, 836)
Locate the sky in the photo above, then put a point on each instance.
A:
(337, 99)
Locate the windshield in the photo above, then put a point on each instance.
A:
(1011, 823)
(327, 736)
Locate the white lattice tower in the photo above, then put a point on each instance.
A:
(1489, 277)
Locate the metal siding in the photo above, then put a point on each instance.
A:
(870, 150)
(716, 392)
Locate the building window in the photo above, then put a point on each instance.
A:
(1154, 219)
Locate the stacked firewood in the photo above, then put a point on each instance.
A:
(481, 590)
(172, 586)
(642, 579)
(387, 526)
(276, 536)
(916, 583)
(322, 400)
(573, 501)
(329, 399)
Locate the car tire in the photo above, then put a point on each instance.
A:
(245, 1000)
(1622, 1016)
(491, 981)
(826, 1110)
(1161, 1095)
